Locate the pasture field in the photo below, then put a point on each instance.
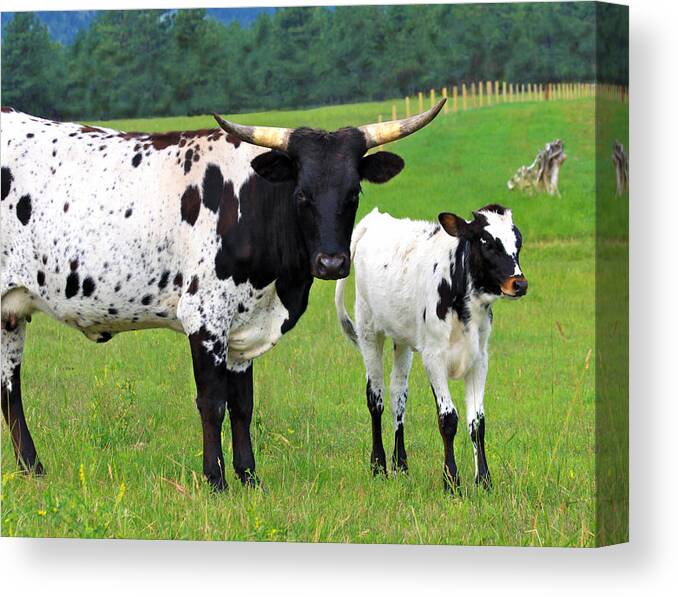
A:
(119, 434)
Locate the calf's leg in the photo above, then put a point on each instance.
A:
(209, 369)
(402, 363)
(240, 400)
(13, 336)
(474, 383)
(372, 350)
(447, 419)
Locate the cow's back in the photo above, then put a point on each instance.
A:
(104, 228)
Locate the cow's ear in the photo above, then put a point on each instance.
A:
(453, 224)
(381, 166)
(274, 166)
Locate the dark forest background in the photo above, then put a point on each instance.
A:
(122, 64)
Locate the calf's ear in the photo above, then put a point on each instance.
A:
(274, 166)
(453, 224)
(381, 166)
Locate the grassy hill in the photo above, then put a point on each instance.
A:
(118, 430)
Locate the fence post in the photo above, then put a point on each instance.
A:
(496, 92)
(481, 99)
(522, 92)
(473, 94)
(454, 98)
(511, 92)
(394, 113)
(490, 92)
(446, 108)
(503, 91)
(464, 105)
(421, 102)
(433, 97)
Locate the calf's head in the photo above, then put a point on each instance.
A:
(494, 247)
(327, 170)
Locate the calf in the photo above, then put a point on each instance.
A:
(430, 287)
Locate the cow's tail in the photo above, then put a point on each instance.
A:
(342, 314)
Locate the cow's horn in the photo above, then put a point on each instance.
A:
(385, 132)
(264, 136)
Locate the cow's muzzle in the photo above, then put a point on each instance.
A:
(330, 267)
(514, 287)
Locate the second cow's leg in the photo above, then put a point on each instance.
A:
(240, 404)
(372, 349)
(475, 418)
(402, 363)
(209, 368)
(448, 419)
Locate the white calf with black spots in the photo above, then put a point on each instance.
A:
(430, 288)
(216, 234)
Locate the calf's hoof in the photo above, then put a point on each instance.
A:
(484, 481)
(399, 465)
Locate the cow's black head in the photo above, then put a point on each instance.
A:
(494, 249)
(327, 170)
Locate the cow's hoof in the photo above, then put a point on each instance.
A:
(217, 484)
(378, 464)
(451, 484)
(35, 469)
(249, 479)
(378, 469)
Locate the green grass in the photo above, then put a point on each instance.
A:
(118, 431)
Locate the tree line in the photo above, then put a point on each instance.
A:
(146, 63)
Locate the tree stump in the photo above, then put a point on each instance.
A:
(621, 166)
(542, 174)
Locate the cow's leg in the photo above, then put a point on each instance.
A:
(209, 369)
(240, 400)
(372, 349)
(447, 418)
(475, 418)
(402, 363)
(13, 335)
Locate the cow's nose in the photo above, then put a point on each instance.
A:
(520, 286)
(331, 267)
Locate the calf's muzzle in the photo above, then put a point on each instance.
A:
(515, 286)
